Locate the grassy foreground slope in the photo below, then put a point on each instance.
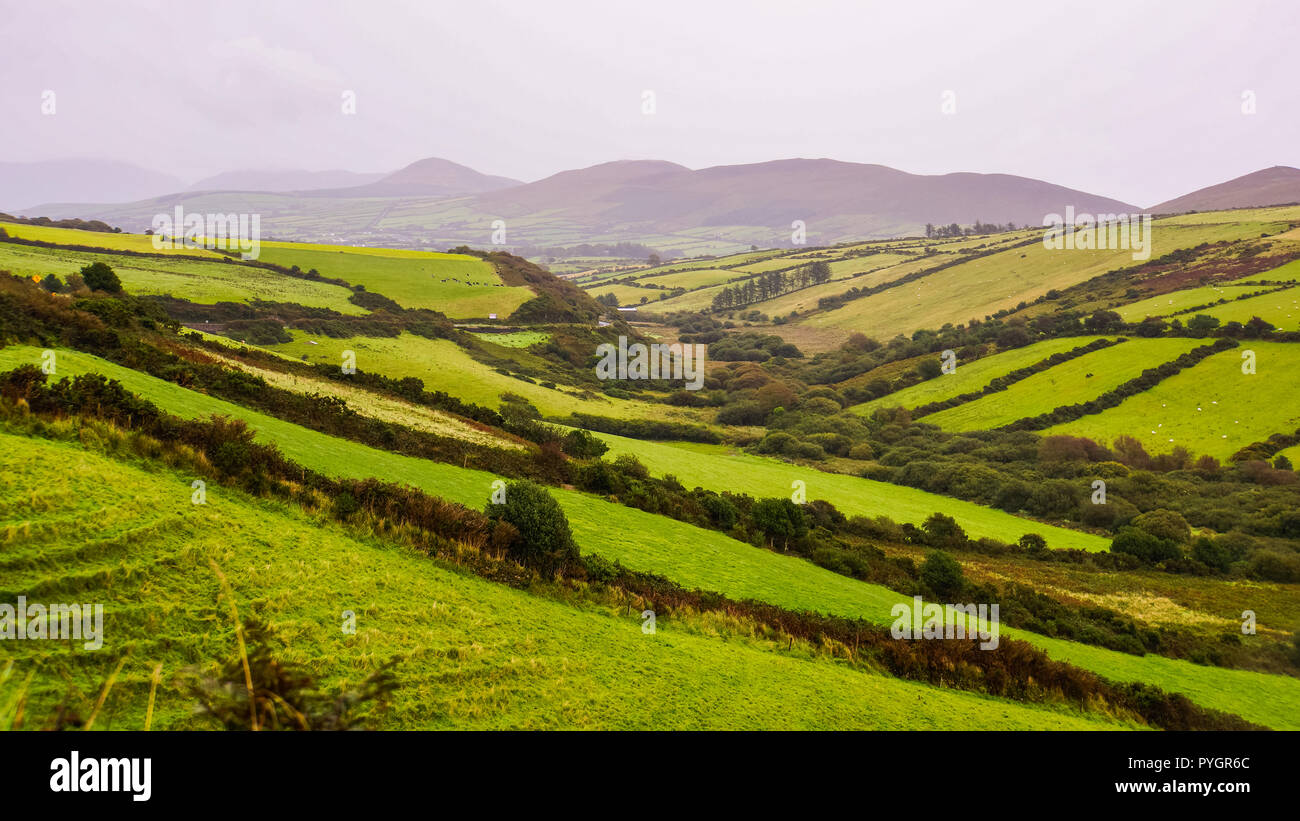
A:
(478, 654)
(694, 557)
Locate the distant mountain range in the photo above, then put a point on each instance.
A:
(1278, 185)
(435, 202)
(827, 195)
(432, 177)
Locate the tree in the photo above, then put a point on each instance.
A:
(942, 574)
(1013, 337)
(819, 272)
(1202, 324)
(99, 277)
(580, 444)
(943, 531)
(1102, 321)
(1282, 463)
(1032, 541)
(545, 541)
(52, 284)
(928, 368)
(779, 519)
(1210, 552)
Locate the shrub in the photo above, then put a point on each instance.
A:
(1144, 545)
(98, 276)
(1164, 524)
(742, 413)
(545, 541)
(862, 451)
(629, 465)
(1210, 552)
(942, 574)
(1275, 566)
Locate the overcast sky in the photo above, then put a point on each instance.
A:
(1139, 101)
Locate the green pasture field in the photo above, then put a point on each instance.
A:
(1078, 380)
(375, 405)
(98, 239)
(972, 376)
(444, 366)
(414, 279)
(1281, 308)
(515, 339)
(1212, 408)
(198, 281)
(1289, 272)
(1176, 301)
(762, 476)
(691, 556)
(696, 278)
(627, 294)
(984, 286)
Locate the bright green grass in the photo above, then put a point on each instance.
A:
(198, 281)
(1292, 453)
(1281, 308)
(1176, 301)
(698, 278)
(444, 366)
(691, 556)
(973, 376)
(1288, 273)
(986, 285)
(1211, 408)
(1280, 213)
(762, 476)
(515, 339)
(412, 278)
(626, 294)
(97, 239)
(711, 262)
(82, 527)
(1078, 380)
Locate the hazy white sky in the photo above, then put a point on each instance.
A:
(1141, 101)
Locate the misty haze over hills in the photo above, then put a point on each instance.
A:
(282, 180)
(437, 202)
